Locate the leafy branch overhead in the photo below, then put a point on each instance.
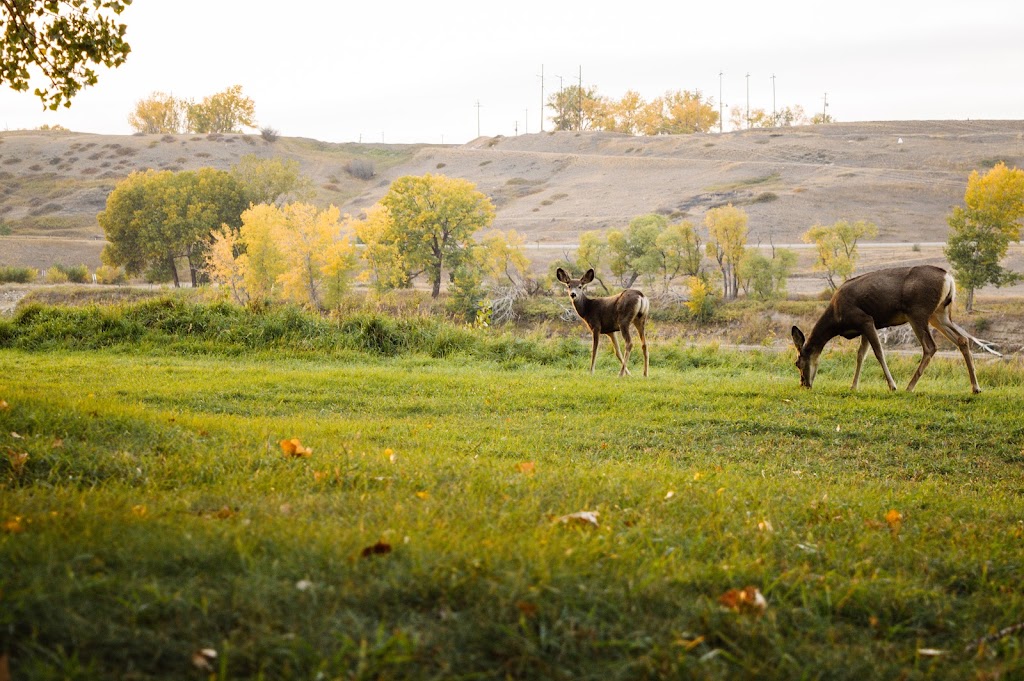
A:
(58, 44)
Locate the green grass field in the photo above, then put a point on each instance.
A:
(149, 512)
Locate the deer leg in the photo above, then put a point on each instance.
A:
(861, 352)
(623, 357)
(872, 336)
(639, 324)
(945, 325)
(927, 345)
(593, 351)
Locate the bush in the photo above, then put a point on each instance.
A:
(269, 134)
(360, 169)
(105, 274)
(56, 275)
(79, 274)
(17, 275)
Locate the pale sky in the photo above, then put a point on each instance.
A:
(403, 72)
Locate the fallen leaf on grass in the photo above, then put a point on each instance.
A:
(528, 609)
(18, 460)
(579, 517)
(202, 658)
(390, 454)
(295, 449)
(378, 549)
(16, 436)
(746, 601)
(895, 521)
(423, 495)
(930, 652)
(4, 407)
(13, 525)
(526, 467)
(139, 510)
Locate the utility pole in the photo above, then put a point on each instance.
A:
(720, 104)
(824, 110)
(579, 93)
(541, 100)
(478, 118)
(748, 100)
(526, 122)
(774, 120)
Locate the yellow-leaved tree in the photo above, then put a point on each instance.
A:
(837, 247)
(295, 253)
(386, 267)
(727, 241)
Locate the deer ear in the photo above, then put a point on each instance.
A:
(798, 339)
(588, 277)
(561, 276)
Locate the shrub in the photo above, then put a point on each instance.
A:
(17, 275)
(268, 134)
(105, 274)
(56, 275)
(78, 274)
(360, 169)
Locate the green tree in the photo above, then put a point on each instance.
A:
(678, 249)
(982, 229)
(634, 251)
(227, 111)
(727, 241)
(765, 277)
(837, 247)
(156, 218)
(591, 254)
(270, 180)
(431, 222)
(62, 40)
(158, 113)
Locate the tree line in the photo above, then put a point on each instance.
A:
(254, 231)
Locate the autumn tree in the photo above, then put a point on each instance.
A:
(227, 111)
(727, 240)
(156, 218)
(576, 108)
(295, 253)
(836, 246)
(158, 113)
(680, 113)
(502, 258)
(431, 220)
(63, 41)
(982, 229)
(386, 267)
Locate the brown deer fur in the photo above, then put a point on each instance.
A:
(919, 296)
(608, 315)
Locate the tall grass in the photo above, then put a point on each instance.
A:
(155, 514)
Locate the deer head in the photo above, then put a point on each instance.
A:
(806, 360)
(575, 286)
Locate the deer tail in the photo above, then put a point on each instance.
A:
(949, 293)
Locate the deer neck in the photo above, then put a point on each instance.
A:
(585, 308)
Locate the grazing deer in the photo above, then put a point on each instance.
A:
(608, 315)
(919, 295)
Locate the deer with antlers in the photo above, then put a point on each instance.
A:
(608, 315)
(920, 295)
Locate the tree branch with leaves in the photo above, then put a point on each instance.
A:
(60, 42)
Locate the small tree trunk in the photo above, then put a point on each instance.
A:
(174, 271)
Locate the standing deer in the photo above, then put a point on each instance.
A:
(919, 295)
(608, 315)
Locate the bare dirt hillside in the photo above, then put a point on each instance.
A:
(903, 176)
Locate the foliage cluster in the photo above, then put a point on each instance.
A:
(981, 230)
(227, 111)
(836, 245)
(17, 275)
(62, 41)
